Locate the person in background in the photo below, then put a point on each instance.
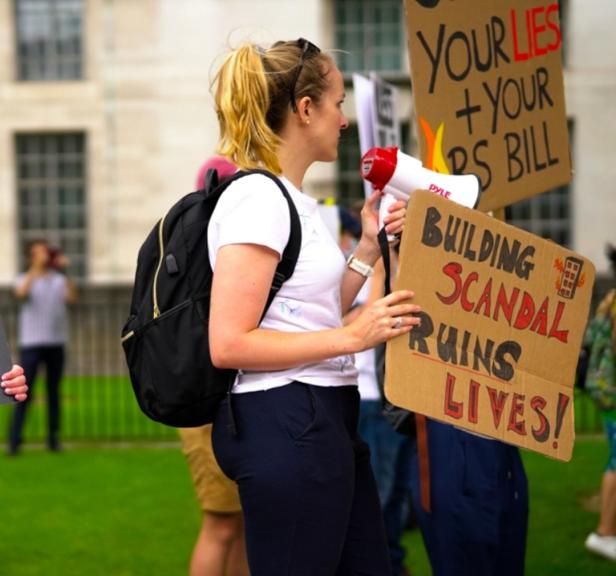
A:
(220, 548)
(44, 291)
(307, 490)
(602, 540)
(390, 452)
(478, 521)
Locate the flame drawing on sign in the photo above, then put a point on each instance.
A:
(434, 156)
(570, 277)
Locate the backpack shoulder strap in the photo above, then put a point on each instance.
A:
(289, 257)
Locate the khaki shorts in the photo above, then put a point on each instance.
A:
(216, 493)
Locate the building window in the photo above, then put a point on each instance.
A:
(350, 187)
(51, 194)
(49, 39)
(370, 35)
(350, 184)
(547, 215)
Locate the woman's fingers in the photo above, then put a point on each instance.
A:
(14, 383)
(405, 322)
(398, 312)
(372, 200)
(397, 296)
(15, 386)
(14, 372)
(15, 390)
(396, 208)
(387, 318)
(403, 310)
(394, 221)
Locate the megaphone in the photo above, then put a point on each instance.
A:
(397, 174)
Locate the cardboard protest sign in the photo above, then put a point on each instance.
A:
(377, 121)
(385, 120)
(363, 90)
(488, 92)
(503, 316)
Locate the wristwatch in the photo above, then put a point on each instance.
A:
(360, 267)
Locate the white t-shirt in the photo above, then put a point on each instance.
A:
(254, 211)
(365, 361)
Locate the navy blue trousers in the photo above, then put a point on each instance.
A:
(307, 490)
(31, 358)
(479, 499)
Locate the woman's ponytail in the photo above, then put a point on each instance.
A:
(242, 103)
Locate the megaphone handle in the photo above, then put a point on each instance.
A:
(386, 201)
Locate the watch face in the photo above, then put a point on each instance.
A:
(360, 267)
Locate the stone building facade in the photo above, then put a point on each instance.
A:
(139, 117)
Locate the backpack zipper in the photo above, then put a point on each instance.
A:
(127, 336)
(161, 248)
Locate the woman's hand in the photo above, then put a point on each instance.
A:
(393, 222)
(14, 383)
(384, 319)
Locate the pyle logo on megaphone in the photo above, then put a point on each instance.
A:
(399, 174)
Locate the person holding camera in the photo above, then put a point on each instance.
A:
(44, 292)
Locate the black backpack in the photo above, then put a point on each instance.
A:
(165, 338)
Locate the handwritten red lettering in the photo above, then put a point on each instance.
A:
(517, 409)
(527, 317)
(501, 402)
(541, 34)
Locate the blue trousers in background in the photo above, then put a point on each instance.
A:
(391, 455)
(479, 499)
(52, 357)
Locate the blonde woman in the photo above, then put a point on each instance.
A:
(307, 491)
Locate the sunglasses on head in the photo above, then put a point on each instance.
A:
(307, 50)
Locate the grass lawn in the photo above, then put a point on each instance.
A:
(132, 512)
(113, 512)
